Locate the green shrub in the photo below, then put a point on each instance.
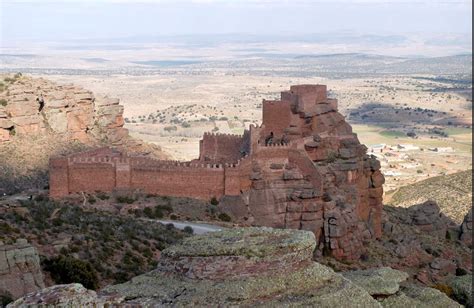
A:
(148, 212)
(3, 102)
(214, 201)
(170, 128)
(212, 209)
(41, 198)
(91, 200)
(224, 217)
(188, 230)
(158, 212)
(125, 199)
(102, 196)
(5, 299)
(66, 269)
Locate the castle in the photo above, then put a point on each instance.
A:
(303, 168)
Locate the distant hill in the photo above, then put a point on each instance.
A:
(452, 192)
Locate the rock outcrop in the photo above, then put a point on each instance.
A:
(377, 281)
(38, 106)
(385, 285)
(414, 296)
(243, 267)
(66, 295)
(254, 266)
(248, 267)
(39, 118)
(20, 270)
(466, 229)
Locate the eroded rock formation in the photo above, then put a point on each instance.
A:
(466, 229)
(20, 270)
(303, 168)
(248, 267)
(39, 106)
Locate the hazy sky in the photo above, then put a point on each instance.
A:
(59, 20)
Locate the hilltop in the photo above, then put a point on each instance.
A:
(452, 192)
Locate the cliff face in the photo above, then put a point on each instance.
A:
(20, 270)
(37, 106)
(39, 118)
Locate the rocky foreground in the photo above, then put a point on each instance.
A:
(250, 267)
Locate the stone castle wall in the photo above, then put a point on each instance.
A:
(106, 170)
(312, 173)
(220, 148)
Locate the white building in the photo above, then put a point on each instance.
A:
(407, 147)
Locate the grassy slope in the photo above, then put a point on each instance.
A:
(453, 193)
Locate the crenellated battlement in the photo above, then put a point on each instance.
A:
(219, 135)
(274, 145)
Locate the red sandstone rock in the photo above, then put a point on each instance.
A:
(303, 168)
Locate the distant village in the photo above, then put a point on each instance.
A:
(400, 160)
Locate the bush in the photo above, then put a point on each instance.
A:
(148, 212)
(125, 199)
(66, 269)
(170, 128)
(212, 209)
(3, 102)
(5, 299)
(444, 288)
(214, 201)
(461, 272)
(188, 230)
(158, 212)
(102, 196)
(41, 198)
(224, 217)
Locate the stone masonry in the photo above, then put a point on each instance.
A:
(303, 168)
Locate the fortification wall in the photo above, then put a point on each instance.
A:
(179, 179)
(220, 148)
(306, 97)
(84, 173)
(276, 117)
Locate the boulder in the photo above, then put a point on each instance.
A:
(377, 281)
(66, 295)
(243, 267)
(413, 296)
